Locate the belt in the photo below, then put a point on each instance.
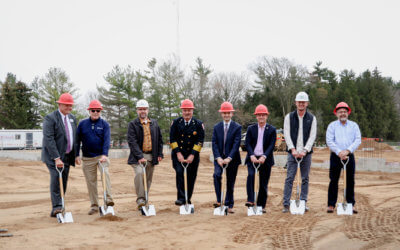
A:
(148, 152)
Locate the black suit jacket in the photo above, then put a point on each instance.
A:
(232, 142)
(55, 139)
(268, 142)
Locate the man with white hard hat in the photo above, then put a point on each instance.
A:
(300, 130)
(146, 145)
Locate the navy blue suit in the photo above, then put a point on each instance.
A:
(265, 169)
(232, 144)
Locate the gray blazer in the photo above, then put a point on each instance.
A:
(54, 138)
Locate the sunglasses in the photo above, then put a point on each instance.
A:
(95, 110)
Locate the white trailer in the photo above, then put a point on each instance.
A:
(21, 139)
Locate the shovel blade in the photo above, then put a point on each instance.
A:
(221, 211)
(297, 207)
(104, 211)
(66, 218)
(186, 209)
(251, 211)
(344, 209)
(149, 210)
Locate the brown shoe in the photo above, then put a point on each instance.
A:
(231, 211)
(93, 210)
(330, 209)
(55, 212)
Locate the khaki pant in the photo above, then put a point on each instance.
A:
(89, 167)
(139, 182)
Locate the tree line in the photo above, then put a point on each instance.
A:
(164, 84)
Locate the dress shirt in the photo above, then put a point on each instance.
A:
(259, 150)
(341, 137)
(71, 134)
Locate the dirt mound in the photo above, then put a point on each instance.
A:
(377, 146)
(109, 217)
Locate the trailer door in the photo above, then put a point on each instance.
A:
(29, 140)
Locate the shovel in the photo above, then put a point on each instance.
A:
(147, 210)
(104, 210)
(255, 210)
(222, 210)
(63, 217)
(298, 206)
(187, 208)
(345, 208)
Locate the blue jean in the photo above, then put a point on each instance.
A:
(291, 174)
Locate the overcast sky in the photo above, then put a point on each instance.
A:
(87, 38)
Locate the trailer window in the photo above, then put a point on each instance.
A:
(17, 137)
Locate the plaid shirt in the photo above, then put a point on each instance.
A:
(146, 135)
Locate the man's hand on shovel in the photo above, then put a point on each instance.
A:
(59, 163)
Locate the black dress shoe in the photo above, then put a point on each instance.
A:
(179, 202)
(217, 204)
(264, 211)
(249, 204)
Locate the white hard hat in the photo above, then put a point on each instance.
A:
(302, 97)
(142, 104)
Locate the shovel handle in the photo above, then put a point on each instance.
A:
(60, 180)
(344, 163)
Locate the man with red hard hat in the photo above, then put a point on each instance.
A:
(94, 134)
(225, 146)
(58, 151)
(343, 138)
(260, 143)
(186, 138)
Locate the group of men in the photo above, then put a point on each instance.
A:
(63, 139)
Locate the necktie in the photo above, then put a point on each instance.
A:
(225, 133)
(67, 134)
(186, 123)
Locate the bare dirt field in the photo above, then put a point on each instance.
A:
(25, 207)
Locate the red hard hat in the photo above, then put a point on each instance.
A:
(261, 109)
(226, 107)
(187, 104)
(95, 104)
(342, 105)
(66, 98)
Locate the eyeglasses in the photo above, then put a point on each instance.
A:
(95, 110)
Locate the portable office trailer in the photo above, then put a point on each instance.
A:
(21, 139)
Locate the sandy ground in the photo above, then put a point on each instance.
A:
(25, 207)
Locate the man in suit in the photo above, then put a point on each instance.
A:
(260, 143)
(225, 145)
(186, 138)
(58, 150)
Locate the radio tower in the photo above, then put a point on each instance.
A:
(177, 33)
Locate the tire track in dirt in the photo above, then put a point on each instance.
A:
(377, 227)
(284, 231)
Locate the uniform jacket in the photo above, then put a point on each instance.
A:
(186, 139)
(55, 139)
(135, 141)
(268, 142)
(232, 142)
